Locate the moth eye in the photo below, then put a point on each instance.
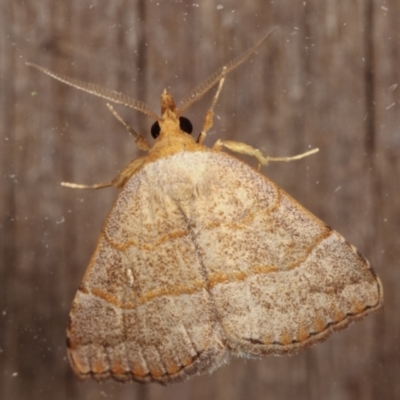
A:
(155, 130)
(185, 125)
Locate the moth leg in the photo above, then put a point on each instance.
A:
(79, 186)
(118, 182)
(139, 139)
(243, 148)
(209, 118)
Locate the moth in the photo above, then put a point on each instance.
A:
(202, 258)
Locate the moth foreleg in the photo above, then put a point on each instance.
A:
(209, 118)
(139, 139)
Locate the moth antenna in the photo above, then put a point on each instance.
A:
(99, 91)
(213, 79)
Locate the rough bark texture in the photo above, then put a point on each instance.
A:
(329, 79)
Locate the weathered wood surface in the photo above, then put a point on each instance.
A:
(327, 79)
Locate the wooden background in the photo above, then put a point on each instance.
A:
(329, 79)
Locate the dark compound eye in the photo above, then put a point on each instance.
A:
(155, 130)
(185, 125)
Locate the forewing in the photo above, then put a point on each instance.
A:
(280, 278)
(143, 311)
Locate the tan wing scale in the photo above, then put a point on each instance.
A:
(215, 268)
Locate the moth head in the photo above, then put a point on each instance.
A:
(170, 119)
